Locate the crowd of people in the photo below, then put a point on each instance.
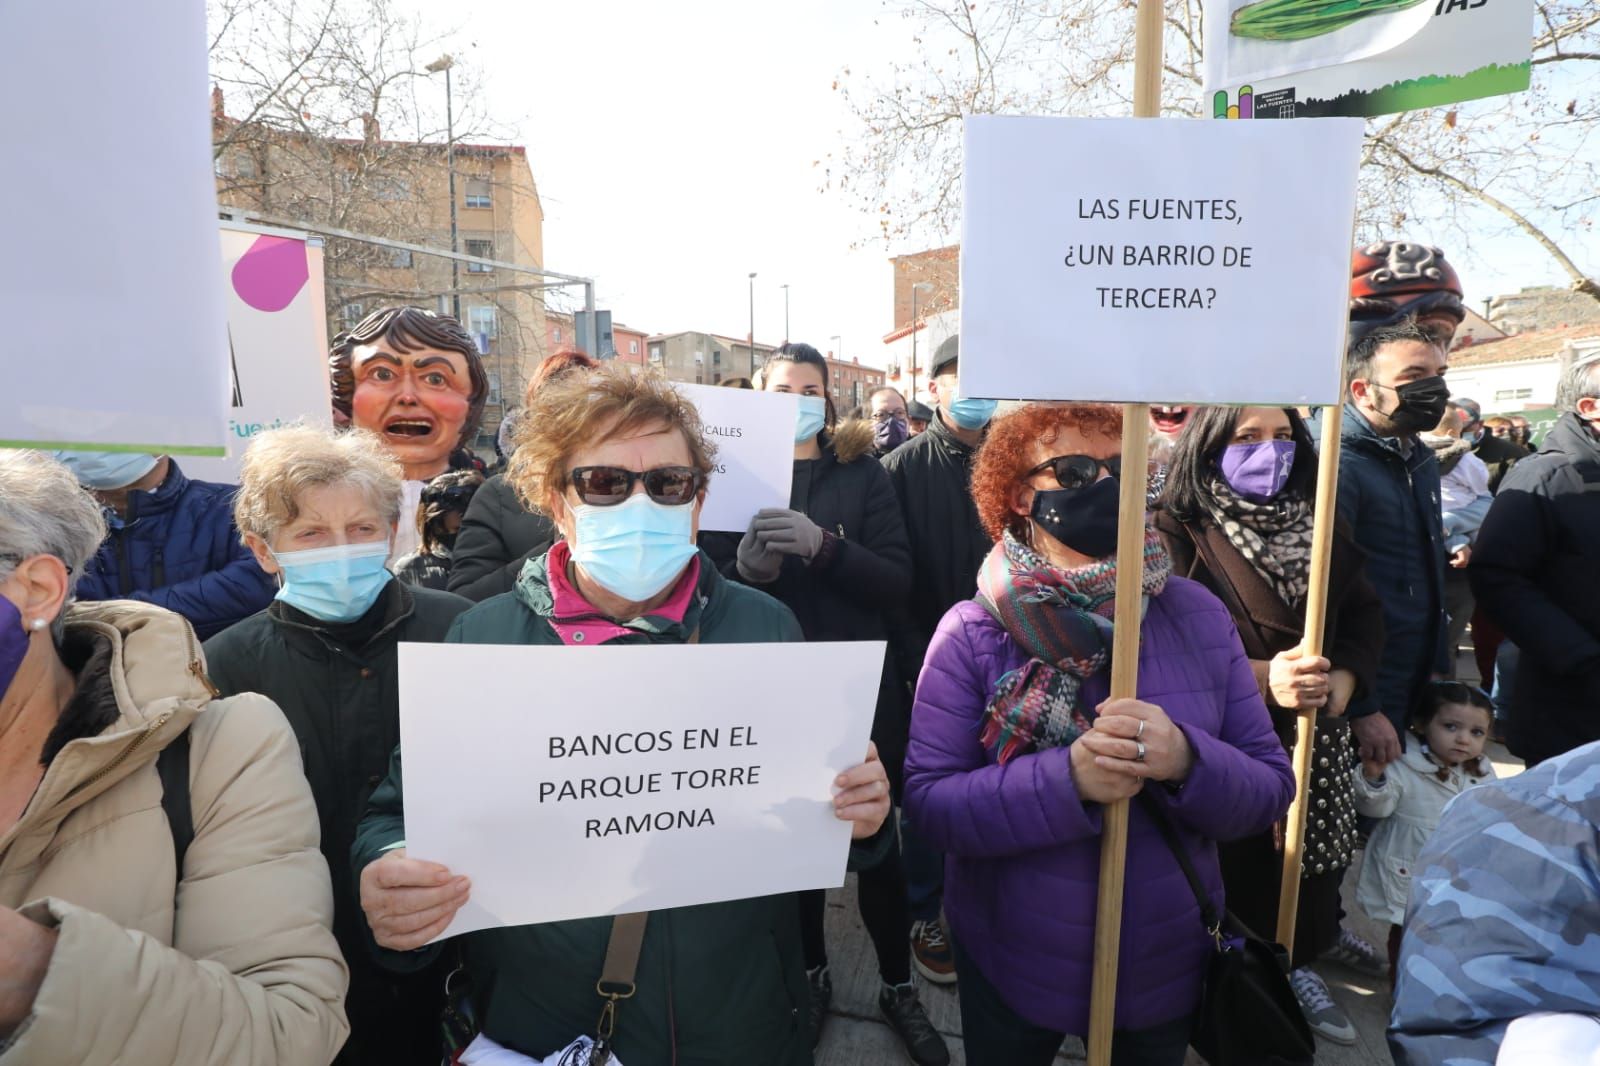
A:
(202, 828)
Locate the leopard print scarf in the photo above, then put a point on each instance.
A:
(1275, 537)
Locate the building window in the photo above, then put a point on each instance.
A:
(478, 194)
(389, 188)
(483, 250)
(556, 334)
(400, 257)
(655, 353)
(716, 358)
(699, 358)
(699, 379)
(1513, 394)
(633, 347)
(716, 379)
(350, 314)
(483, 324)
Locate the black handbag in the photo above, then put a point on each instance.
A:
(1249, 1015)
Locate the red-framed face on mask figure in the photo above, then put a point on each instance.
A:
(414, 378)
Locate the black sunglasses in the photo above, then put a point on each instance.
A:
(607, 486)
(1076, 471)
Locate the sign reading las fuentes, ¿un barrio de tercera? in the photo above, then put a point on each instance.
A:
(577, 782)
(1156, 260)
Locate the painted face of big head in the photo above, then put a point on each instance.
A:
(416, 380)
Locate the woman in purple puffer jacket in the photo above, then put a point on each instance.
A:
(1015, 748)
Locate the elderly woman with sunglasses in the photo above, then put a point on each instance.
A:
(1015, 751)
(619, 461)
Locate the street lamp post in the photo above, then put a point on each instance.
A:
(444, 63)
(916, 327)
(785, 288)
(752, 325)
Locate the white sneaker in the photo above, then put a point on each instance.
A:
(1322, 1013)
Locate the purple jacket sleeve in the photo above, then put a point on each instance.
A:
(1241, 781)
(960, 803)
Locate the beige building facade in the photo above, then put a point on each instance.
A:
(400, 191)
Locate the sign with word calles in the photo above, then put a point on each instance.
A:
(754, 435)
(1463, 50)
(109, 288)
(1156, 260)
(581, 782)
(277, 340)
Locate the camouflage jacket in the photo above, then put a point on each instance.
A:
(1504, 918)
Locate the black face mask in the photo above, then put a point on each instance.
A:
(1421, 405)
(1084, 520)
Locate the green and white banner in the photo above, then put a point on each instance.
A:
(1322, 58)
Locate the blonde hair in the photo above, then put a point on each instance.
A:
(586, 407)
(282, 463)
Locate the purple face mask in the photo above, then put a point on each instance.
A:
(1258, 472)
(13, 643)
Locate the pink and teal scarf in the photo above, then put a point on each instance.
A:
(1062, 619)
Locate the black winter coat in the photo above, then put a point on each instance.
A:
(1499, 455)
(1390, 502)
(343, 700)
(932, 477)
(1536, 571)
(498, 535)
(850, 590)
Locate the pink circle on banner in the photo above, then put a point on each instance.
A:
(271, 273)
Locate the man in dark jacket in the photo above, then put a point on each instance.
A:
(931, 474)
(1536, 571)
(1389, 497)
(172, 542)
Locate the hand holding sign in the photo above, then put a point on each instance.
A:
(409, 902)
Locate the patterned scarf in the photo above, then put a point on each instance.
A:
(1062, 619)
(1275, 537)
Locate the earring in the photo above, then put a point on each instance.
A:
(39, 624)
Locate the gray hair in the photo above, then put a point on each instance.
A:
(281, 463)
(1580, 382)
(44, 511)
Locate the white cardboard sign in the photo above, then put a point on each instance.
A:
(277, 341)
(583, 782)
(110, 287)
(1156, 260)
(754, 435)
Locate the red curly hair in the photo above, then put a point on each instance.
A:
(1008, 453)
(555, 365)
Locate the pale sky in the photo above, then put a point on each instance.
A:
(673, 146)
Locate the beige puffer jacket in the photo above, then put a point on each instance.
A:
(238, 965)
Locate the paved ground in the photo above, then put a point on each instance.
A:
(856, 1036)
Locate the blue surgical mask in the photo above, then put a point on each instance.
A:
(107, 470)
(635, 548)
(809, 422)
(970, 413)
(337, 584)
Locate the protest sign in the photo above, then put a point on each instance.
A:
(581, 782)
(754, 435)
(109, 288)
(1463, 50)
(277, 340)
(1156, 260)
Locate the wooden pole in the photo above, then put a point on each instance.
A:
(1124, 685)
(1294, 832)
(1147, 58)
